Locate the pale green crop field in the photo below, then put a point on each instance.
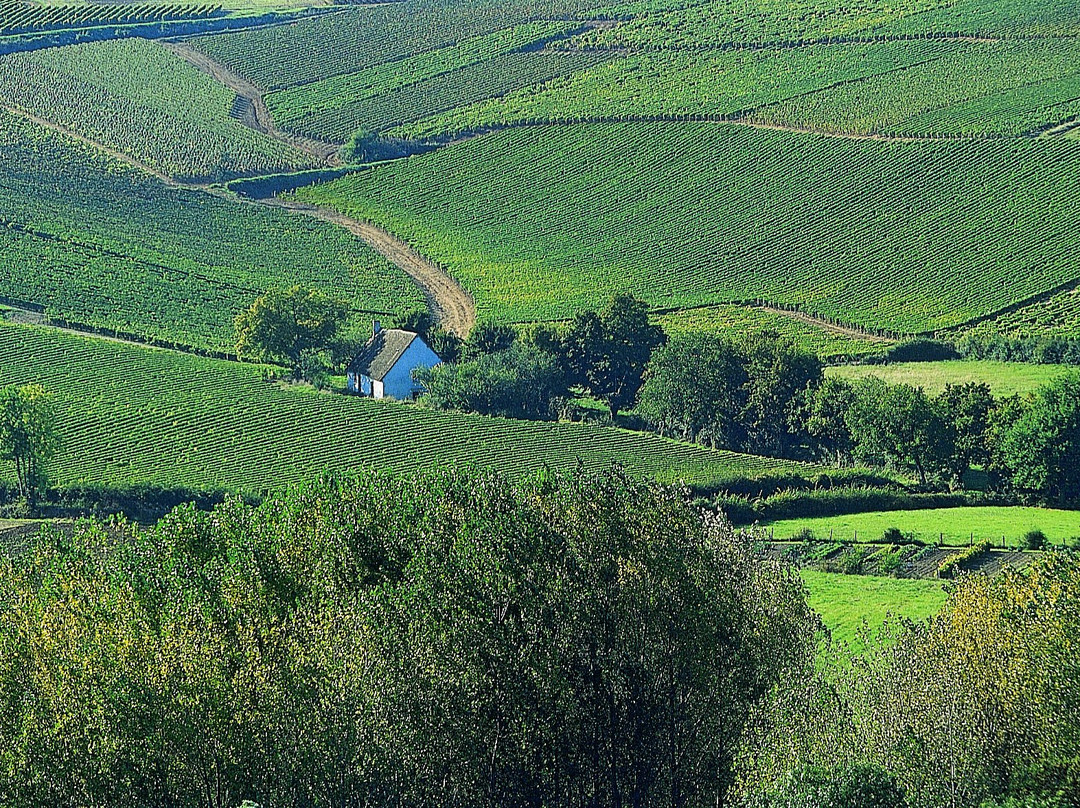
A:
(845, 602)
(948, 525)
(1004, 378)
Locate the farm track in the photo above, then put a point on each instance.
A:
(825, 325)
(257, 116)
(449, 302)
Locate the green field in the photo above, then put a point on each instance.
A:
(136, 97)
(98, 243)
(845, 602)
(541, 222)
(955, 526)
(1004, 378)
(727, 321)
(142, 415)
(21, 18)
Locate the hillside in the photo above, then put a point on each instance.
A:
(140, 416)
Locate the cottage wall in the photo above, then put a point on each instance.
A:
(398, 383)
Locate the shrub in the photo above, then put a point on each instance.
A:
(804, 534)
(860, 786)
(1033, 540)
(953, 564)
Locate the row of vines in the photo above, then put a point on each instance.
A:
(19, 17)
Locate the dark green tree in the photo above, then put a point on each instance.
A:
(695, 388)
(607, 352)
(1041, 447)
(825, 419)
(779, 375)
(488, 338)
(966, 411)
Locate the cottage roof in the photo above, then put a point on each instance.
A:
(382, 352)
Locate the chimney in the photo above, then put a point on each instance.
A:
(376, 327)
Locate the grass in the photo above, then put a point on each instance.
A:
(541, 222)
(846, 602)
(130, 415)
(1004, 378)
(951, 526)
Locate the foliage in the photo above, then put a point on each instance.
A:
(488, 338)
(520, 381)
(858, 786)
(1033, 540)
(684, 214)
(1041, 445)
(173, 420)
(955, 563)
(289, 324)
(1010, 641)
(99, 244)
(28, 436)
(361, 147)
(21, 18)
(607, 351)
(444, 639)
(135, 96)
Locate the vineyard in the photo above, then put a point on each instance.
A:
(350, 41)
(1055, 316)
(21, 16)
(145, 416)
(96, 243)
(907, 237)
(138, 98)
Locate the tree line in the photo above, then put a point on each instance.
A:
(460, 639)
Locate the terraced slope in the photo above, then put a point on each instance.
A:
(136, 97)
(98, 243)
(131, 415)
(540, 222)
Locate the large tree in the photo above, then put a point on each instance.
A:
(28, 436)
(607, 351)
(284, 325)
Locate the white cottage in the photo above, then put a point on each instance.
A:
(384, 368)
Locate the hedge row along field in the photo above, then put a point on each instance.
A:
(156, 417)
(98, 243)
(135, 96)
(357, 39)
(541, 222)
(19, 17)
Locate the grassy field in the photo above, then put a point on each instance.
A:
(956, 526)
(136, 97)
(541, 222)
(845, 602)
(98, 243)
(1004, 378)
(739, 320)
(131, 415)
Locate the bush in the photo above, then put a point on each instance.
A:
(922, 350)
(952, 565)
(860, 786)
(805, 535)
(1033, 540)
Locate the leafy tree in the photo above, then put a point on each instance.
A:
(694, 387)
(779, 376)
(966, 411)
(488, 338)
(283, 324)
(825, 419)
(898, 423)
(28, 436)
(858, 786)
(607, 351)
(519, 382)
(1041, 447)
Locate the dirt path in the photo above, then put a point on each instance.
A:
(256, 115)
(825, 325)
(452, 306)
